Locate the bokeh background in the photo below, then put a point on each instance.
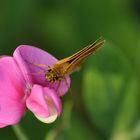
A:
(104, 100)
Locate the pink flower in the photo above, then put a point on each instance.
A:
(23, 84)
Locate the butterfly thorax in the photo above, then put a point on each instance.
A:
(53, 75)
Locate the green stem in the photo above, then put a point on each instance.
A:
(19, 132)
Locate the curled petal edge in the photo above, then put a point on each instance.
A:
(44, 103)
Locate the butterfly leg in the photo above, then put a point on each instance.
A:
(35, 73)
(59, 83)
(40, 66)
(58, 89)
(68, 86)
(66, 81)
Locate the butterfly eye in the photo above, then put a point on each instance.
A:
(49, 70)
(56, 78)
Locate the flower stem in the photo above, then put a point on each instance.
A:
(19, 132)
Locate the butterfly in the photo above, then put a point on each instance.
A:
(56, 73)
(72, 63)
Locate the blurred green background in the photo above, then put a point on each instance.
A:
(104, 100)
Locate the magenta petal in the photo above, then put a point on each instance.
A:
(12, 85)
(55, 98)
(2, 125)
(23, 66)
(44, 103)
(64, 86)
(33, 56)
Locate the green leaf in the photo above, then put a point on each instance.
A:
(104, 84)
(100, 95)
(72, 127)
(128, 111)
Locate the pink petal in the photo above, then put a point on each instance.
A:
(33, 56)
(23, 66)
(44, 103)
(64, 86)
(2, 125)
(12, 85)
